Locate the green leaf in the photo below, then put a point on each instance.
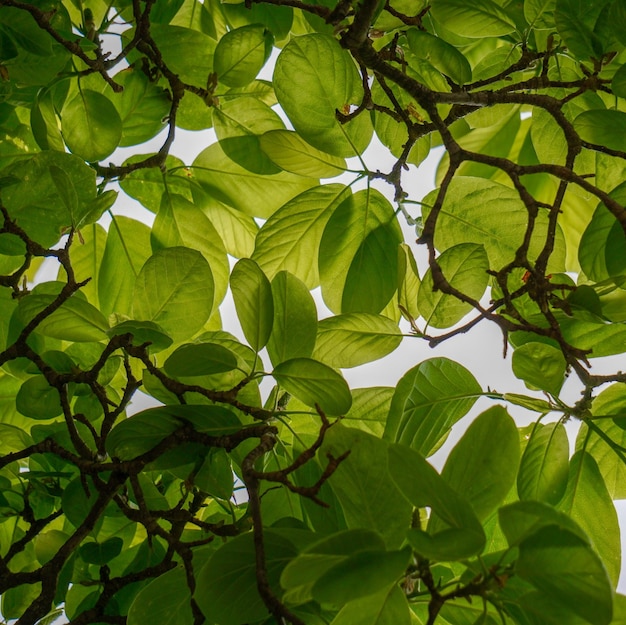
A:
(420, 484)
(252, 293)
(563, 566)
(294, 329)
(194, 359)
(355, 338)
(465, 267)
(443, 56)
(545, 464)
(369, 409)
(467, 217)
(314, 383)
(429, 399)
(292, 153)
(321, 556)
(408, 281)
(540, 365)
(91, 125)
(482, 472)
(180, 223)
(313, 78)
(602, 127)
(291, 237)
(618, 84)
(165, 600)
(481, 18)
(138, 434)
(101, 553)
(358, 257)
(36, 399)
(363, 573)
(254, 194)
(226, 589)
(362, 473)
(587, 501)
(239, 125)
(575, 21)
(175, 289)
(241, 53)
(127, 249)
(540, 13)
(143, 332)
(143, 107)
(387, 607)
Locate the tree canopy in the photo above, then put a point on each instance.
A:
(261, 488)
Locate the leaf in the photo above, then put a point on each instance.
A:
(564, 567)
(618, 84)
(138, 434)
(143, 332)
(545, 464)
(36, 399)
(291, 237)
(252, 293)
(602, 127)
(175, 289)
(256, 195)
(363, 486)
(358, 257)
(420, 484)
(241, 53)
(482, 472)
(127, 249)
(314, 78)
(466, 217)
(483, 18)
(408, 281)
(91, 125)
(226, 589)
(314, 383)
(575, 21)
(180, 223)
(194, 359)
(386, 607)
(164, 600)
(369, 409)
(588, 503)
(443, 56)
(465, 267)
(540, 365)
(540, 13)
(294, 327)
(355, 338)
(101, 553)
(292, 153)
(429, 399)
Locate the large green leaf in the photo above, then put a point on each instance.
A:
(194, 359)
(481, 18)
(294, 327)
(575, 21)
(602, 127)
(545, 464)
(540, 365)
(314, 77)
(291, 237)
(166, 600)
(429, 399)
(91, 125)
(461, 535)
(241, 53)
(175, 289)
(313, 382)
(292, 153)
(387, 607)
(180, 223)
(355, 338)
(482, 472)
(588, 502)
(368, 496)
(252, 293)
(358, 257)
(226, 588)
(465, 267)
(467, 216)
(540, 13)
(564, 568)
(254, 194)
(127, 249)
